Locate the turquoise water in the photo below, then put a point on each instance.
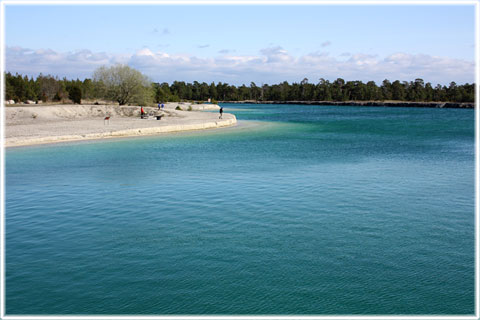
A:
(307, 210)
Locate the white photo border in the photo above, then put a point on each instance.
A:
(4, 3)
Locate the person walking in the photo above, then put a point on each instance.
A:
(142, 113)
(221, 113)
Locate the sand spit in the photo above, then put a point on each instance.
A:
(60, 123)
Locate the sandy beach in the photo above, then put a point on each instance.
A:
(30, 125)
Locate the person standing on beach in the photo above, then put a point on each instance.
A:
(221, 113)
(142, 112)
(159, 105)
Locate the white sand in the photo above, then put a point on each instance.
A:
(48, 124)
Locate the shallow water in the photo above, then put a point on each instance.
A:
(317, 210)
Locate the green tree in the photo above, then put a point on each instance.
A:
(87, 89)
(159, 93)
(398, 91)
(75, 94)
(255, 91)
(453, 92)
(124, 84)
(212, 91)
(386, 89)
(9, 86)
(419, 88)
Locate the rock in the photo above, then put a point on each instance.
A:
(29, 102)
(10, 102)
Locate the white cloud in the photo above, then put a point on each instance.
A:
(271, 65)
(326, 44)
(73, 64)
(145, 52)
(275, 55)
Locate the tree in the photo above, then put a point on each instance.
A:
(124, 84)
(386, 89)
(159, 93)
(255, 91)
(75, 94)
(87, 89)
(371, 92)
(419, 88)
(212, 91)
(9, 87)
(398, 91)
(49, 86)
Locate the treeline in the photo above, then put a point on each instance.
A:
(48, 88)
(324, 90)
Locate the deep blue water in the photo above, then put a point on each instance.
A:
(307, 210)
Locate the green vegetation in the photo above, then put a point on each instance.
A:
(47, 88)
(124, 84)
(128, 86)
(324, 90)
(75, 94)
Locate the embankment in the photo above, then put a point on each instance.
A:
(49, 124)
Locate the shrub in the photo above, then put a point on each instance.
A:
(189, 108)
(214, 101)
(75, 95)
(178, 108)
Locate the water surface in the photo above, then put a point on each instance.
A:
(310, 210)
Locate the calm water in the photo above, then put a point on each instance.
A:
(308, 210)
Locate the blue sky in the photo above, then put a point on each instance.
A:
(240, 44)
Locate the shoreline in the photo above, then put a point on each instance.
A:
(28, 126)
(450, 105)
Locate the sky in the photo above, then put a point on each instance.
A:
(240, 44)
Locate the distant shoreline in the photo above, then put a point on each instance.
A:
(452, 105)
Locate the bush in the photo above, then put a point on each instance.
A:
(178, 108)
(189, 108)
(75, 95)
(214, 101)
